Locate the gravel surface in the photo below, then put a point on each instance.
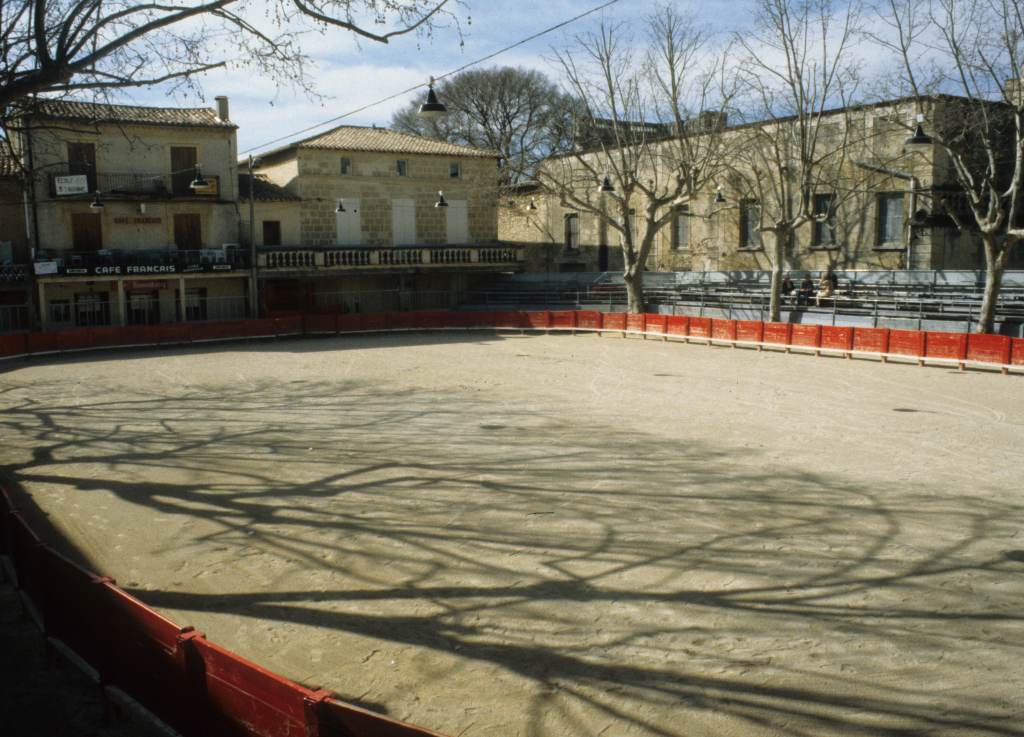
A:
(545, 536)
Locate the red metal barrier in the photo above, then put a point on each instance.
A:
(129, 335)
(906, 343)
(376, 322)
(655, 323)
(349, 323)
(723, 330)
(836, 338)
(173, 333)
(805, 336)
(76, 339)
(988, 348)
(291, 325)
(614, 321)
(319, 324)
(700, 327)
(635, 323)
(207, 331)
(41, 343)
(946, 345)
(751, 331)
(539, 320)
(676, 325)
(563, 319)
(508, 319)
(1017, 351)
(777, 332)
(13, 345)
(588, 319)
(339, 718)
(871, 340)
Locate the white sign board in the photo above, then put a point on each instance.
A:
(45, 267)
(71, 184)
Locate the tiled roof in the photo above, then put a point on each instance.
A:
(265, 191)
(92, 112)
(382, 140)
(8, 166)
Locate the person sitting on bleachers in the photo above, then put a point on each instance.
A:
(803, 297)
(827, 285)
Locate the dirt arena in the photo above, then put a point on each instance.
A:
(545, 536)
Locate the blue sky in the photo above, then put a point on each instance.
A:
(352, 73)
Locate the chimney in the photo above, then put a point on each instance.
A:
(222, 107)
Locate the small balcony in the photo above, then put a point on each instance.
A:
(158, 262)
(384, 258)
(136, 184)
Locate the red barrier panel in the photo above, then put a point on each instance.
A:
(74, 340)
(635, 322)
(563, 319)
(13, 345)
(319, 324)
(946, 345)
(105, 337)
(654, 323)
(751, 331)
(291, 325)
(26, 550)
(988, 348)
(349, 323)
(837, 339)
(404, 321)
(871, 340)
(486, 319)
(206, 331)
(723, 329)
(376, 322)
(540, 319)
(507, 320)
(173, 333)
(588, 319)
(614, 321)
(1017, 351)
(700, 327)
(41, 342)
(906, 343)
(777, 332)
(806, 336)
(676, 325)
(338, 718)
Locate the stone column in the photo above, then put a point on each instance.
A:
(121, 307)
(181, 298)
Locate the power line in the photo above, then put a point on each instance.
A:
(464, 67)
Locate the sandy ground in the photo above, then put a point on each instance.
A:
(551, 535)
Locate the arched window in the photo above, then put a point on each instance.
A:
(572, 231)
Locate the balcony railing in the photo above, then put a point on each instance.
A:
(291, 258)
(139, 262)
(147, 184)
(13, 273)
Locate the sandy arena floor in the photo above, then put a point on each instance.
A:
(549, 536)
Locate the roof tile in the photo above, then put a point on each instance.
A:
(101, 113)
(383, 140)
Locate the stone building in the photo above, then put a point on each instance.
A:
(891, 219)
(370, 234)
(15, 255)
(135, 212)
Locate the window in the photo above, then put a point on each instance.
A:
(403, 221)
(271, 232)
(681, 228)
(142, 307)
(195, 304)
(346, 165)
(750, 217)
(890, 219)
(86, 232)
(183, 169)
(188, 234)
(572, 231)
(82, 160)
(401, 168)
(60, 311)
(455, 170)
(824, 231)
(92, 309)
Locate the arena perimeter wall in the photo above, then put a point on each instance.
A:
(199, 688)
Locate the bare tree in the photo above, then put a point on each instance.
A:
(519, 113)
(975, 49)
(55, 47)
(797, 67)
(643, 142)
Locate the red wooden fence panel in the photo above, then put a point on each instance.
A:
(74, 339)
(588, 319)
(376, 322)
(723, 329)
(290, 325)
(654, 323)
(777, 332)
(751, 331)
(1017, 351)
(700, 327)
(871, 340)
(906, 342)
(836, 338)
(677, 325)
(320, 324)
(563, 319)
(538, 319)
(614, 321)
(635, 322)
(173, 333)
(988, 348)
(342, 719)
(15, 344)
(946, 345)
(806, 336)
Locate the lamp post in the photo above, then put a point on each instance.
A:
(253, 273)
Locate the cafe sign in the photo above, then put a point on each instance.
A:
(71, 185)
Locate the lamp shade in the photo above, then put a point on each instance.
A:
(432, 108)
(441, 201)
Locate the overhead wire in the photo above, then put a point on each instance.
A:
(464, 67)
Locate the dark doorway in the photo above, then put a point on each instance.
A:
(602, 257)
(188, 235)
(86, 232)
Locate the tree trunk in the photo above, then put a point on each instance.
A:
(775, 305)
(634, 278)
(995, 264)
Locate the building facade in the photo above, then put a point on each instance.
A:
(382, 220)
(15, 254)
(135, 214)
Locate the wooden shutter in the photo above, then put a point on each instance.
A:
(86, 232)
(82, 160)
(271, 232)
(188, 235)
(183, 169)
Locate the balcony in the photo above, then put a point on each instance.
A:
(145, 184)
(13, 273)
(384, 258)
(159, 262)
